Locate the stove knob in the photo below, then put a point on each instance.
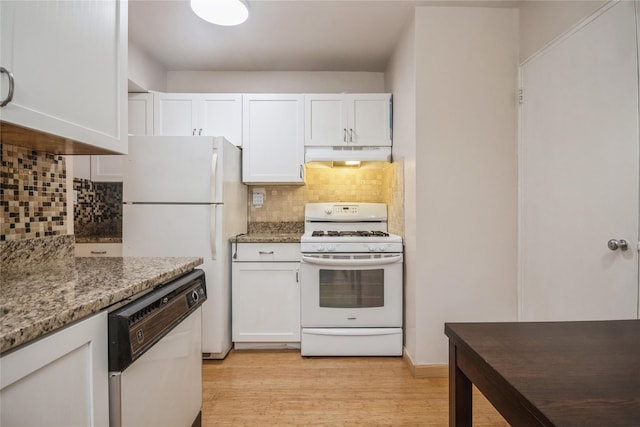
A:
(331, 248)
(383, 247)
(320, 248)
(328, 211)
(371, 248)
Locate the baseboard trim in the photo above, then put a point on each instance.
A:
(425, 371)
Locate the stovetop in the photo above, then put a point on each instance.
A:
(349, 233)
(348, 227)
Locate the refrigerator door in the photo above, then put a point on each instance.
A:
(170, 169)
(167, 230)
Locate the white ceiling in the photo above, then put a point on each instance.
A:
(280, 35)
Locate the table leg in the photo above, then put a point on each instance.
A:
(460, 408)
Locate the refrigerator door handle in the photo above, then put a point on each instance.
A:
(212, 231)
(214, 171)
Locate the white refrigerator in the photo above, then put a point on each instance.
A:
(184, 197)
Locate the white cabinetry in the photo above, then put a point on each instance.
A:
(59, 380)
(141, 114)
(273, 139)
(348, 119)
(190, 114)
(69, 63)
(109, 168)
(266, 294)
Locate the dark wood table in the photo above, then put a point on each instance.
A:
(549, 373)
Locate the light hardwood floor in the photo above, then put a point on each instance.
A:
(275, 388)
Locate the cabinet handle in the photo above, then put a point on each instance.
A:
(344, 135)
(266, 253)
(200, 132)
(193, 133)
(302, 172)
(350, 135)
(98, 252)
(297, 276)
(10, 93)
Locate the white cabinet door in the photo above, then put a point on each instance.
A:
(354, 119)
(141, 114)
(192, 114)
(579, 174)
(81, 167)
(369, 120)
(174, 114)
(69, 62)
(107, 168)
(273, 139)
(99, 168)
(221, 115)
(59, 380)
(265, 302)
(325, 120)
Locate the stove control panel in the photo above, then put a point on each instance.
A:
(342, 210)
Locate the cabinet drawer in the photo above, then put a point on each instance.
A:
(98, 249)
(268, 252)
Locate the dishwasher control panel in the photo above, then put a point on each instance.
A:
(137, 326)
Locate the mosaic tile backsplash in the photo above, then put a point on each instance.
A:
(98, 212)
(377, 185)
(32, 194)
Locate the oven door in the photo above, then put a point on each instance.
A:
(351, 290)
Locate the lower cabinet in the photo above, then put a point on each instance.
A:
(59, 380)
(266, 293)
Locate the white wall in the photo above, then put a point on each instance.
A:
(460, 195)
(400, 79)
(542, 21)
(145, 73)
(274, 82)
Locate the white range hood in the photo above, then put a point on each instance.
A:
(347, 153)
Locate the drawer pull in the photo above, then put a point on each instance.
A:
(98, 252)
(266, 253)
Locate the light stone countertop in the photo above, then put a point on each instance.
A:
(268, 238)
(37, 299)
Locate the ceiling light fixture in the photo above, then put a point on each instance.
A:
(221, 12)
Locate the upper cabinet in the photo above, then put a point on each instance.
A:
(189, 114)
(109, 168)
(141, 114)
(348, 119)
(66, 66)
(273, 139)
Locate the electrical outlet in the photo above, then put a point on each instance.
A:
(258, 197)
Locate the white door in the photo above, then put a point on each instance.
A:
(325, 120)
(174, 114)
(579, 173)
(221, 115)
(273, 138)
(369, 119)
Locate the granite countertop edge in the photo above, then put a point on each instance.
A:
(267, 238)
(90, 239)
(38, 302)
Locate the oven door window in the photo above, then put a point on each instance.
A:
(351, 288)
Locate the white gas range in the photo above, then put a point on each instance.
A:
(351, 295)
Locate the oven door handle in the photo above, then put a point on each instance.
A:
(351, 262)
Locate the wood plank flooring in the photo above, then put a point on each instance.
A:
(276, 388)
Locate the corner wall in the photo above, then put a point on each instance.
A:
(459, 150)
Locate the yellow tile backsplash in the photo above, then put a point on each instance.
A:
(338, 184)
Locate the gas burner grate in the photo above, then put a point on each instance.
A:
(348, 233)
